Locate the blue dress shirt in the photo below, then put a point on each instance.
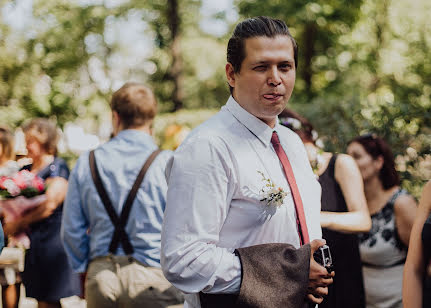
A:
(86, 228)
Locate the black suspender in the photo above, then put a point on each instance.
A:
(119, 223)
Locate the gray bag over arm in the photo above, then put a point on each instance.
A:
(273, 276)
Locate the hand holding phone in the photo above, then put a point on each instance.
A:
(323, 256)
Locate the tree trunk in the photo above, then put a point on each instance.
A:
(175, 72)
(309, 39)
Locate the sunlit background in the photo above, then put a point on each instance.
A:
(364, 66)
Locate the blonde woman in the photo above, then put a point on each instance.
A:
(47, 274)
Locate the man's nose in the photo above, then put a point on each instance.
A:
(274, 77)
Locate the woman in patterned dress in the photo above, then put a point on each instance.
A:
(383, 249)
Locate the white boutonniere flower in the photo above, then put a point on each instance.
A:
(272, 195)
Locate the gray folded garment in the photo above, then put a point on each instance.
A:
(273, 275)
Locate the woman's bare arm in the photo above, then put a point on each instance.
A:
(414, 269)
(405, 208)
(357, 219)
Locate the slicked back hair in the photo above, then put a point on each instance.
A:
(255, 27)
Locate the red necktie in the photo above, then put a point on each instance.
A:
(288, 172)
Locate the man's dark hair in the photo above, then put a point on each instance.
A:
(254, 27)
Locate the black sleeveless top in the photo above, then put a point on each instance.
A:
(347, 289)
(426, 240)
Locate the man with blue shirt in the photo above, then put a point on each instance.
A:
(110, 231)
(242, 219)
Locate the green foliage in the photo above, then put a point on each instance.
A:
(66, 66)
(364, 66)
(202, 56)
(370, 73)
(44, 72)
(317, 26)
(186, 119)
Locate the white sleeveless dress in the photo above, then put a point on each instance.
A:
(383, 256)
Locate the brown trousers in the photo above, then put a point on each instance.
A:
(121, 281)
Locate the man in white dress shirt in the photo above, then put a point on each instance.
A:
(219, 237)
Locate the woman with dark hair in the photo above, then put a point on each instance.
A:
(47, 275)
(384, 249)
(417, 271)
(344, 213)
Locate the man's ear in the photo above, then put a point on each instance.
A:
(115, 123)
(230, 75)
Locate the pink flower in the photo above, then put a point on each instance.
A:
(38, 183)
(22, 183)
(2, 180)
(23, 179)
(11, 187)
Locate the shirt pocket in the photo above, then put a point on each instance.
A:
(250, 198)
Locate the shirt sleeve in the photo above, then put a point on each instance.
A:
(200, 190)
(61, 169)
(75, 225)
(157, 186)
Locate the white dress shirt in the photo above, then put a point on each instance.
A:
(214, 201)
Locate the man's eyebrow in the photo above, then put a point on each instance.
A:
(266, 62)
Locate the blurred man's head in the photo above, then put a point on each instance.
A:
(133, 106)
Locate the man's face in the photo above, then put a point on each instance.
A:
(265, 82)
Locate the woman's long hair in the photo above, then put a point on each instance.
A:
(376, 146)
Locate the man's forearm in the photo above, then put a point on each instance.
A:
(214, 270)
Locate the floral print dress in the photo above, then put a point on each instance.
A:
(383, 256)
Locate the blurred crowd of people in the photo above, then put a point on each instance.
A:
(367, 220)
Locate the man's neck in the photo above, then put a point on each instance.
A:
(270, 122)
(143, 128)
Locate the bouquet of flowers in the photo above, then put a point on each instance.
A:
(19, 194)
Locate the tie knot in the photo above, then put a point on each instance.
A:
(274, 138)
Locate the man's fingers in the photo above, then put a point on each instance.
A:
(315, 244)
(317, 271)
(313, 299)
(322, 282)
(317, 295)
(320, 292)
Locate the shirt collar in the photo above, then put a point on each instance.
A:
(256, 126)
(135, 136)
